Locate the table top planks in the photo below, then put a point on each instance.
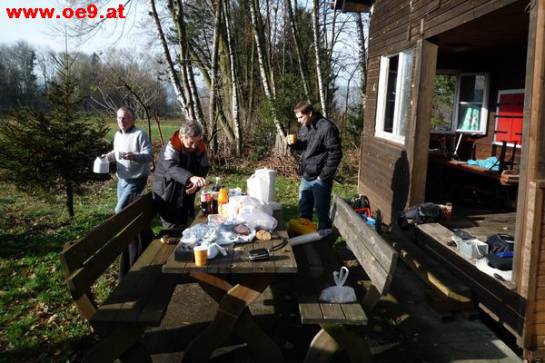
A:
(237, 261)
(282, 260)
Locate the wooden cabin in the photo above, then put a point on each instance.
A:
(489, 57)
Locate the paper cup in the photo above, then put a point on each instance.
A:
(201, 255)
(292, 139)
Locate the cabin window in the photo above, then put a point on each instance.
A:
(444, 90)
(509, 117)
(471, 96)
(394, 92)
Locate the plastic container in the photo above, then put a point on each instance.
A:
(223, 198)
(472, 248)
(261, 185)
(101, 166)
(301, 226)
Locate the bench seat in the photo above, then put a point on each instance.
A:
(316, 263)
(143, 295)
(141, 298)
(313, 311)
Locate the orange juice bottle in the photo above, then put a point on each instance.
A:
(223, 198)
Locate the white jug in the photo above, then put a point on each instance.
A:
(213, 250)
(101, 165)
(261, 185)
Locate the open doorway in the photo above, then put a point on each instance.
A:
(476, 128)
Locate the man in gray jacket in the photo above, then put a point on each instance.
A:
(319, 140)
(132, 154)
(180, 173)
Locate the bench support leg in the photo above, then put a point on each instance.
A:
(332, 338)
(370, 299)
(233, 316)
(120, 343)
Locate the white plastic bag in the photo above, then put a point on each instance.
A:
(339, 294)
(257, 218)
(261, 185)
(238, 202)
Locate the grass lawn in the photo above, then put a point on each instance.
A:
(168, 127)
(38, 320)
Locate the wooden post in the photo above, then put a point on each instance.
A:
(532, 166)
(534, 234)
(418, 138)
(530, 209)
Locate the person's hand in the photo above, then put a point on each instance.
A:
(191, 189)
(198, 181)
(129, 156)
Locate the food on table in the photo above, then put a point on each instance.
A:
(242, 229)
(263, 235)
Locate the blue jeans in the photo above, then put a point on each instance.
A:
(315, 193)
(128, 190)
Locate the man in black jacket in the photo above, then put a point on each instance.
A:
(180, 173)
(319, 140)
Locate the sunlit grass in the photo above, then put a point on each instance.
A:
(167, 128)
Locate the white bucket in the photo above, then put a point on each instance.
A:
(101, 166)
(261, 185)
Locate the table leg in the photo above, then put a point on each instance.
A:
(232, 316)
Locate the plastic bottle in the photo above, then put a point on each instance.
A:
(217, 185)
(204, 202)
(223, 198)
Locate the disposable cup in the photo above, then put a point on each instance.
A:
(201, 255)
(292, 139)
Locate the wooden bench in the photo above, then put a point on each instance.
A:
(316, 263)
(139, 301)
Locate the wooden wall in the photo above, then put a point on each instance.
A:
(530, 253)
(385, 173)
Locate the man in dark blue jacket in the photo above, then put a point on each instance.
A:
(319, 140)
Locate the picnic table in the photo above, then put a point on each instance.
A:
(235, 282)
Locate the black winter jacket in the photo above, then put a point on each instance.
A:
(321, 147)
(170, 180)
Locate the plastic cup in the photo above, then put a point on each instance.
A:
(292, 139)
(201, 255)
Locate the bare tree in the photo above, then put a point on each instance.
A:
(298, 51)
(233, 78)
(317, 54)
(264, 69)
(171, 69)
(362, 53)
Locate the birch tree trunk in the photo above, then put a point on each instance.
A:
(298, 51)
(362, 55)
(171, 70)
(190, 87)
(263, 66)
(219, 114)
(234, 79)
(214, 78)
(250, 82)
(316, 36)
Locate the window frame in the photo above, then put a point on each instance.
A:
(384, 66)
(484, 107)
(507, 92)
